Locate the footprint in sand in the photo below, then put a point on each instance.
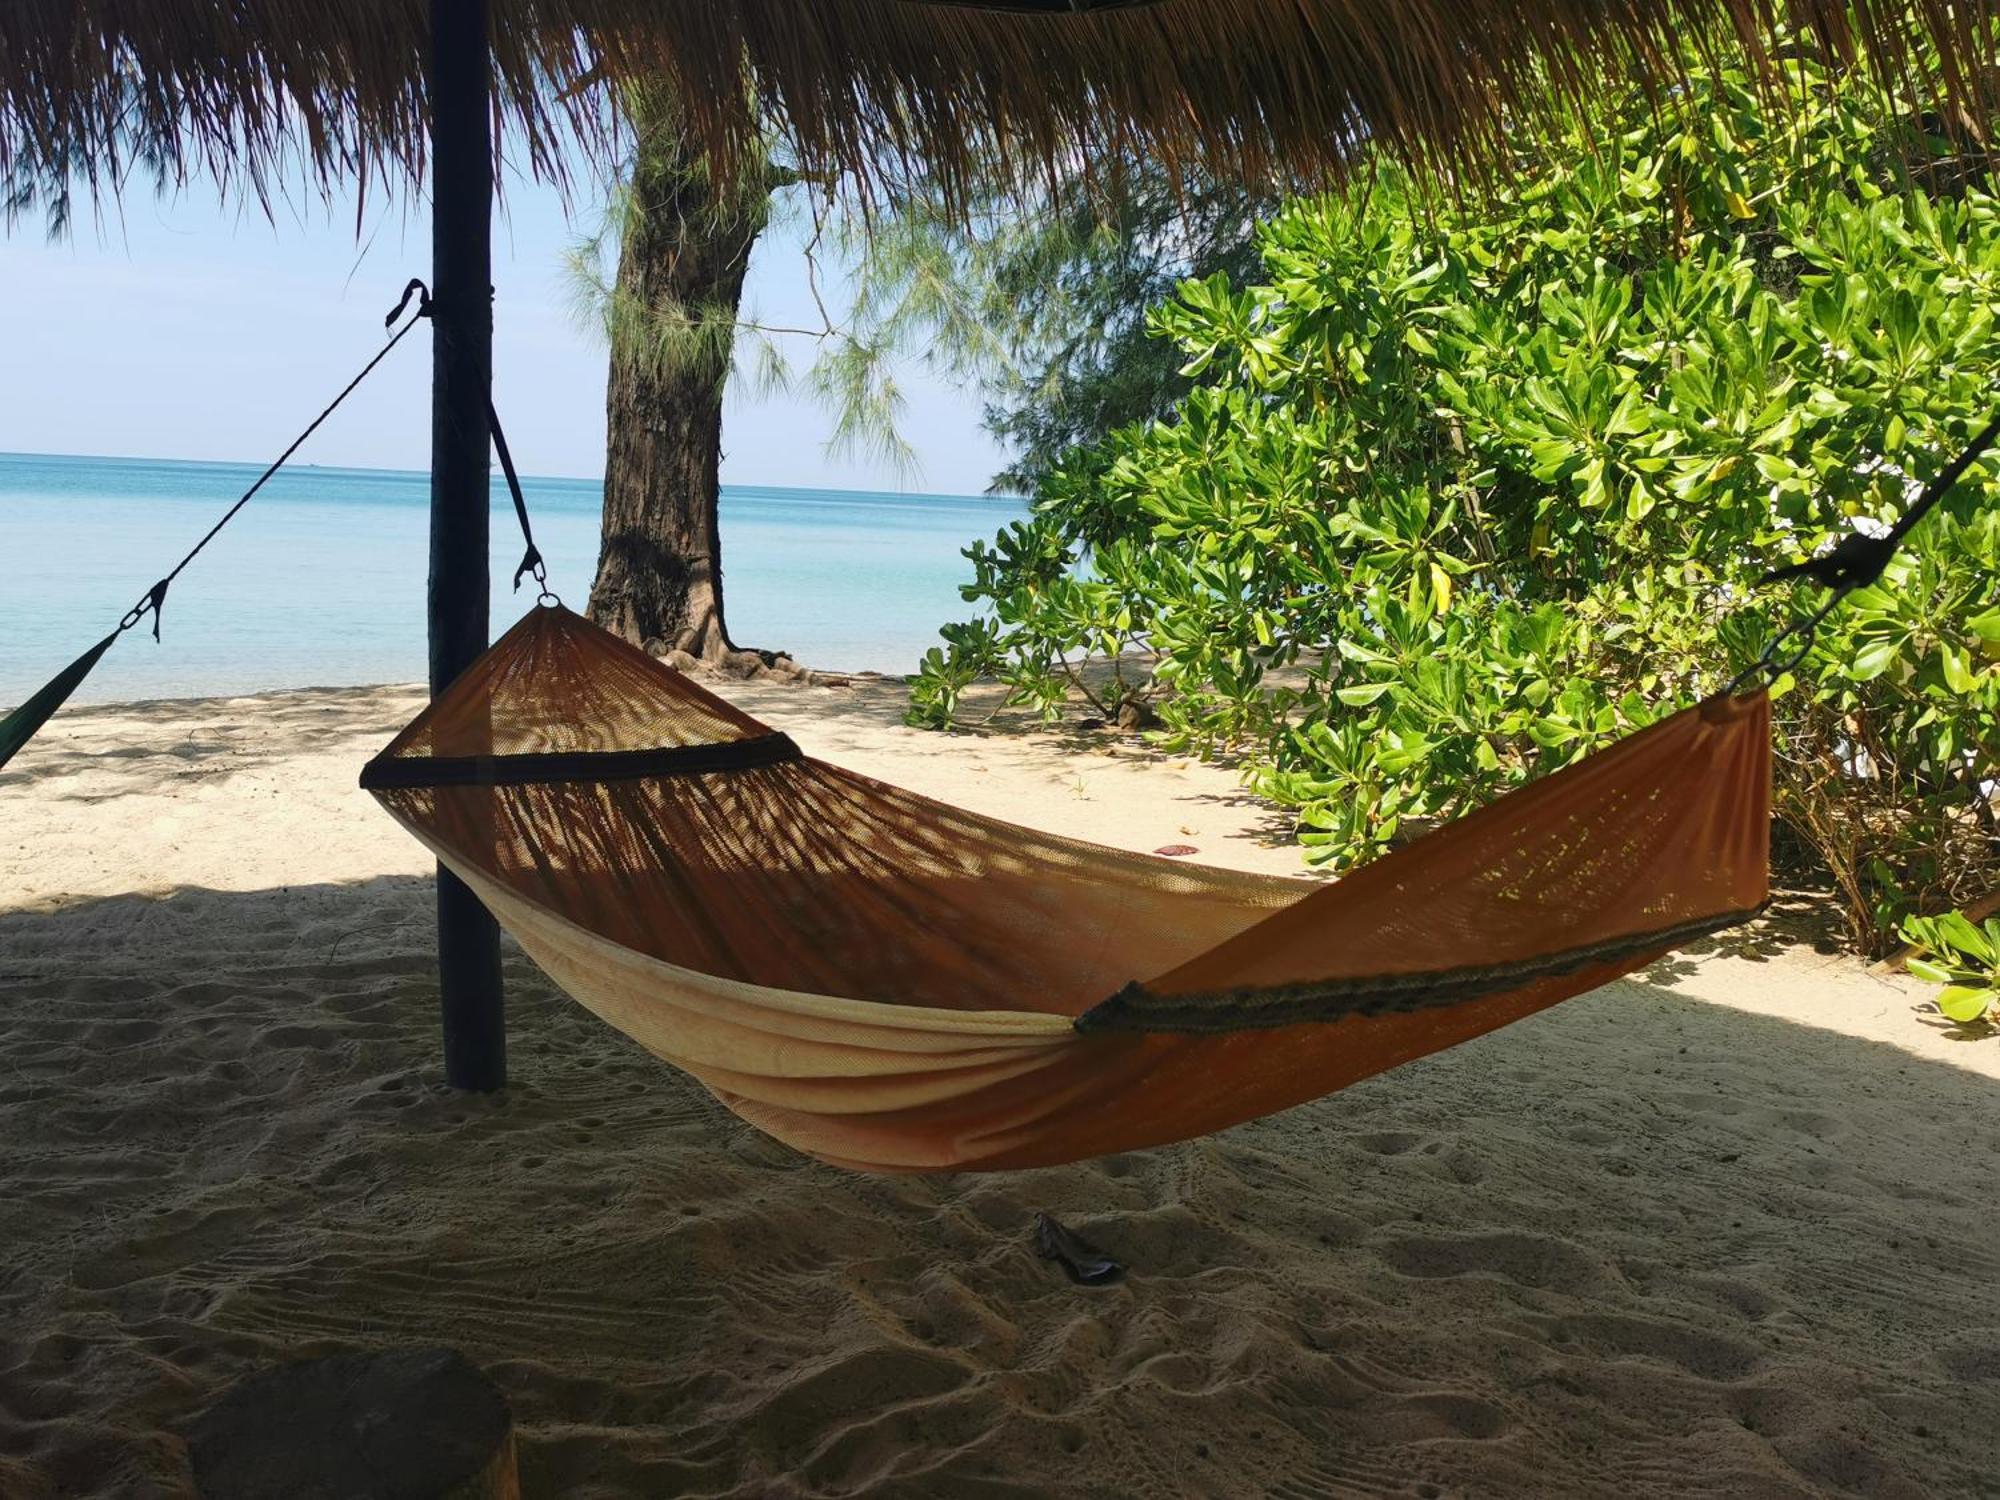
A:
(1441, 1158)
(833, 1403)
(1531, 1260)
(1709, 1356)
(1973, 1355)
(1439, 1414)
(1389, 1142)
(200, 1237)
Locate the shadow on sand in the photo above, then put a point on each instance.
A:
(174, 740)
(1639, 1244)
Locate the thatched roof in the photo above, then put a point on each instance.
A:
(1275, 90)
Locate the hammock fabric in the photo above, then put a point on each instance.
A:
(893, 984)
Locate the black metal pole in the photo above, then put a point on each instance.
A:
(461, 174)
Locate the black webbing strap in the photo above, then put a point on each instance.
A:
(1209, 1012)
(393, 772)
(1857, 561)
(21, 725)
(531, 560)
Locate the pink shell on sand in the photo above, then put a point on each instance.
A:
(1175, 851)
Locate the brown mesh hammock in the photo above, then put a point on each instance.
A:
(894, 984)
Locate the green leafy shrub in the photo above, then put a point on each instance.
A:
(1963, 957)
(1464, 492)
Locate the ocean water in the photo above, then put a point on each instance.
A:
(320, 580)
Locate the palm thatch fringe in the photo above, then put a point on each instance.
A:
(1272, 91)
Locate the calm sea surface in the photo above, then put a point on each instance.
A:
(320, 581)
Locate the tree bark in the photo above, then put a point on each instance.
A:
(684, 252)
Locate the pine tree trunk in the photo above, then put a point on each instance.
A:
(659, 570)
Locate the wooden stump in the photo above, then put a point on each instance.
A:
(407, 1424)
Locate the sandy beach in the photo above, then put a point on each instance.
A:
(1726, 1228)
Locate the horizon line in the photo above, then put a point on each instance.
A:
(494, 471)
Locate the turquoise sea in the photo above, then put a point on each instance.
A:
(320, 581)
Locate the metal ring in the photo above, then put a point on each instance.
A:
(148, 605)
(545, 596)
(1806, 629)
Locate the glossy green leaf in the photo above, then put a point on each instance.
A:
(1962, 1004)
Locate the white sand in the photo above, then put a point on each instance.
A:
(1724, 1230)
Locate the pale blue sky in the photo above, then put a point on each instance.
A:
(185, 329)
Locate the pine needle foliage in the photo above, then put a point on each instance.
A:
(662, 175)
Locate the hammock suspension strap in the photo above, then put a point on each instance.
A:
(1855, 562)
(532, 565)
(531, 560)
(20, 726)
(157, 594)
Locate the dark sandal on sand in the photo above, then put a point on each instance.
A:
(1084, 1263)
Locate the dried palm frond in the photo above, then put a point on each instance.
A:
(1270, 91)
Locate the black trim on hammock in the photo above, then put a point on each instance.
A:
(395, 772)
(1212, 1012)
